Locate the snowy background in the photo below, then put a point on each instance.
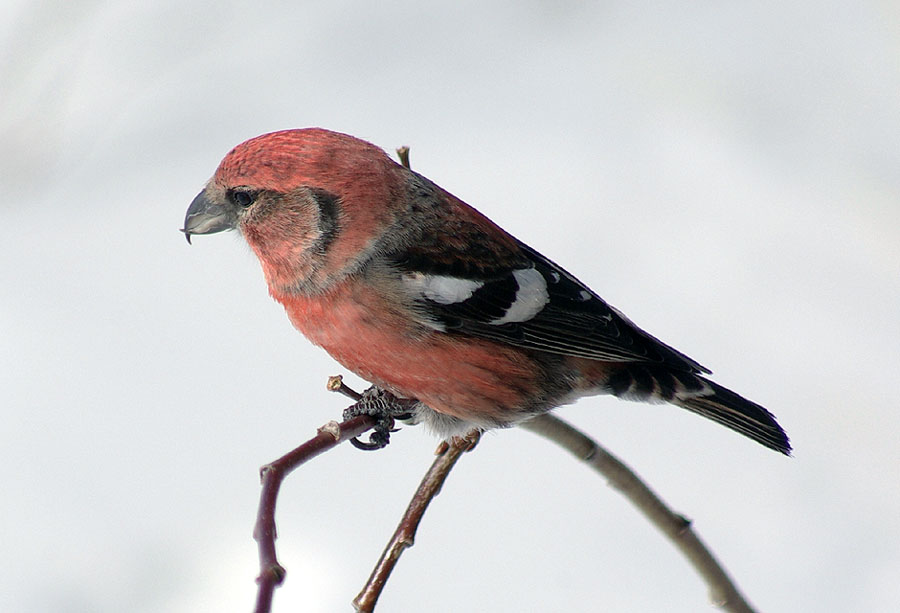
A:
(728, 176)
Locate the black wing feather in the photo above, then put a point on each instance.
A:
(574, 322)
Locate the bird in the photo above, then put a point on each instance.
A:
(423, 296)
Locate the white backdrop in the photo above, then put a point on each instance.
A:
(728, 177)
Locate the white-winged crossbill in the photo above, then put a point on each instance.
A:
(417, 292)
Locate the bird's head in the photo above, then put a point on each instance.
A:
(309, 202)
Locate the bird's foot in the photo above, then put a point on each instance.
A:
(385, 408)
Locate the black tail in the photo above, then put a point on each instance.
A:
(739, 414)
(698, 394)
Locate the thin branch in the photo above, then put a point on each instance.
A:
(271, 573)
(723, 592)
(403, 154)
(404, 536)
(336, 384)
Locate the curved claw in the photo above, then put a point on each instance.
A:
(385, 408)
(376, 442)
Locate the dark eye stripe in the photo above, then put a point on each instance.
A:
(329, 211)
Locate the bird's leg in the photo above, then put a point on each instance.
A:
(385, 408)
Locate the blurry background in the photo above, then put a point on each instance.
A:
(729, 177)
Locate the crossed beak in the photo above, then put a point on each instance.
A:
(206, 215)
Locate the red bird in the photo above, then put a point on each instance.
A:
(417, 292)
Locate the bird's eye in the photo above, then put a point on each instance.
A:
(241, 197)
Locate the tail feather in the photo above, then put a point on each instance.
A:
(702, 396)
(739, 414)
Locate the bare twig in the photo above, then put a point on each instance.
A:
(336, 384)
(723, 592)
(271, 573)
(404, 536)
(403, 154)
